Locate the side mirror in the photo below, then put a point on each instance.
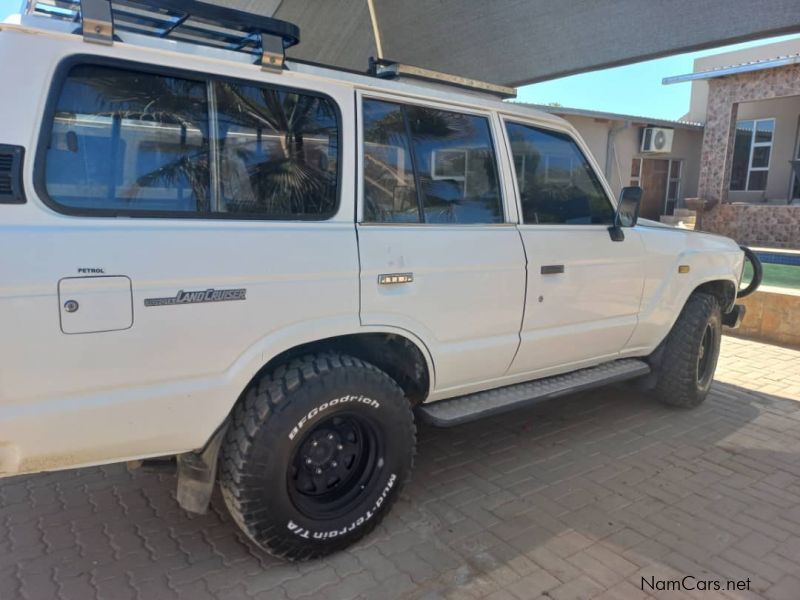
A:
(627, 214)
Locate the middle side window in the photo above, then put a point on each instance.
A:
(428, 165)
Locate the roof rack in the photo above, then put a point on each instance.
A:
(386, 69)
(181, 20)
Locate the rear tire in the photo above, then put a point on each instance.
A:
(690, 353)
(317, 452)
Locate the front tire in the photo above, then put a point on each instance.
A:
(691, 352)
(316, 454)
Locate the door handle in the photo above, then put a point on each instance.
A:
(552, 269)
(394, 278)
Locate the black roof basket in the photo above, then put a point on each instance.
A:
(181, 20)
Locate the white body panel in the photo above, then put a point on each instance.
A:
(466, 298)
(95, 386)
(587, 313)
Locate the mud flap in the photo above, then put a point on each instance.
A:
(197, 472)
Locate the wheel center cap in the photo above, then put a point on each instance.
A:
(320, 451)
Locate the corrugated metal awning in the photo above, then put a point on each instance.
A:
(757, 65)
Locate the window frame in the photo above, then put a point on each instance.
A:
(525, 121)
(496, 137)
(670, 180)
(753, 145)
(60, 76)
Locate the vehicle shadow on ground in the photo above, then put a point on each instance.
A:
(507, 501)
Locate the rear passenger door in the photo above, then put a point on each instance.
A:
(584, 289)
(440, 256)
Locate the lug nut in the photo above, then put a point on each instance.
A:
(330, 436)
(334, 464)
(319, 471)
(315, 443)
(339, 447)
(308, 461)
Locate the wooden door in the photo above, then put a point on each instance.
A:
(654, 180)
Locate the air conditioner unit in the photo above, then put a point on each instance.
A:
(657, 139)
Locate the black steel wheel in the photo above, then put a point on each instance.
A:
(317, 452)
(705, 356)
(334, 463)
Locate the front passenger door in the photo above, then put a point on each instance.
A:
(584, 289)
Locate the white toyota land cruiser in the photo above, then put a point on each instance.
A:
(266, 269)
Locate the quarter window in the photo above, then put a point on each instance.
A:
(128, 141)
(429, 165)
(556, 182)
(752, 150)
(124, 142)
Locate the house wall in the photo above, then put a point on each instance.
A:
(757, 225)
(686, 146)
(726, 96)
(699, 94)
(786, 112)
(773, 316)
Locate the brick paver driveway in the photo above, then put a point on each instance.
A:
(576, 498)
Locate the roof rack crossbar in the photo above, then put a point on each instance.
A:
(387, 69)
(182, 20)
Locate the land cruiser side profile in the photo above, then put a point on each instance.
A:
(270, 269)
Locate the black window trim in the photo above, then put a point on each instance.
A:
(60, 76)
(438, 105)
(506, 118)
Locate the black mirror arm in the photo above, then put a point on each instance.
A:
(616, 233)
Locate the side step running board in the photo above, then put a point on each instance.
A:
(455, 411)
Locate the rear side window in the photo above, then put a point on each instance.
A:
(278, 152)
(556, 182)
(428, 165)
(125, 142)
(129, 141)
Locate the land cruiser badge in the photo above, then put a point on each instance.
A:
(209, 295)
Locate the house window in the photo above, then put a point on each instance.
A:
(636, 172)
(752, 149)
(674, 184)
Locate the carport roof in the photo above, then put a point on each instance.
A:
(516, 42)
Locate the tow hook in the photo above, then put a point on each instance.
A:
(734, 318)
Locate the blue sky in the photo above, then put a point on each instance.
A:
(634, 89)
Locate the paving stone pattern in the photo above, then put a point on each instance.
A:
(580, 497)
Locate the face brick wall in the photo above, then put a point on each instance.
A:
(756, 224)
(724, 95)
